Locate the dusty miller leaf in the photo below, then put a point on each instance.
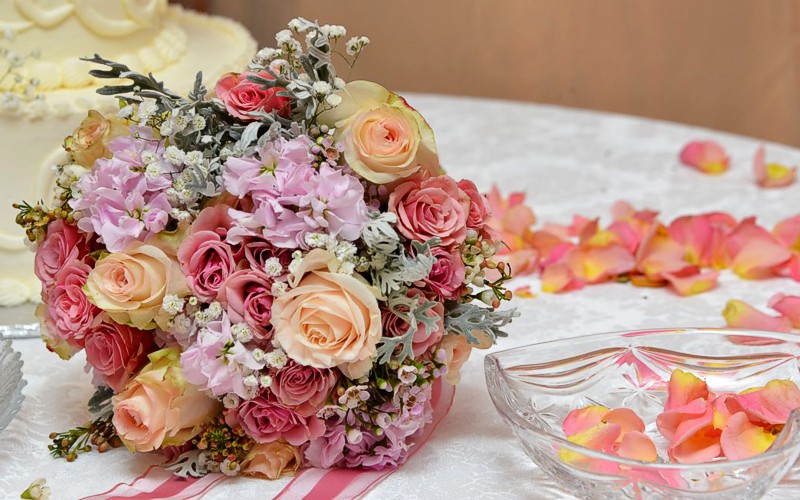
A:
(187, 465)
(471, 320)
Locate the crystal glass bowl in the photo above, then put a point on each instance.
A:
(11, 383)
(536, 386)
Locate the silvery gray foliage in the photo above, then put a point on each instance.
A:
(315, 65)
(466, 319)
(100, 403)
(401, 268)
(413, 312)
(379, 234)
(188, 464)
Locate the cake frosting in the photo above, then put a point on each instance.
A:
(146, 35)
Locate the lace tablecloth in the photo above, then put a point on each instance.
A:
(568, 162)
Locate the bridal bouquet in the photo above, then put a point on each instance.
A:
(269, 276)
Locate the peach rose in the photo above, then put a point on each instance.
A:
(130, 286)
(159, 408)
(272, 460)
(328, 319)
(384, 138)
(90, 140)
(457, 350)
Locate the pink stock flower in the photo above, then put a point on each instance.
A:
(63, 243)
(293, 199)
(116, 352)
(395, 326)
(706, 156)
(771, 175)
(218, 363)
(265, 420)
(247, 298)
(281, 169)
(66, 313)
(117, 200)
(303, 389)
(242, 96)
(432, 207)
(446, 278)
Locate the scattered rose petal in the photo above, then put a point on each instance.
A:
(738, 314)
(524, 292)
(772, 403)
(692, 281)
(788, 306)
(583, 418)
(788, 232)
(771, 175)
(559, 278)
(706, 156)
(754, 251)
(636, 445)
(742, 439)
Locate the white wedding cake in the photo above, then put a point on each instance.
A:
(146, 35)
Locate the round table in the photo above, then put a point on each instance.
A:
(568, 162)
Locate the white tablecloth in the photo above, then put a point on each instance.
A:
(568, 162)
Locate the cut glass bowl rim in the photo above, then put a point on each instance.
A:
(491, 361)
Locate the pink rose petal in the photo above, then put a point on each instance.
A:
(706, 156)
(738, 314)
(743, 439)
(788, 306)
(772, 175)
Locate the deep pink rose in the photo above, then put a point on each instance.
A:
(478, 206)
(62, 244)
(265, 421)
(247, 296)
(241, 96)
(257, 251)
(66, 314)
(206, 261)
(446, 278)
(431, 207)
(396, 326)
(303, 388)
(116, 352)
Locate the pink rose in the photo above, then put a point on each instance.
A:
(242, 96)
(422, 341)
(63, 243)
(66, 313)
(258, 251)
(264, 420)
(447, 275)
(116, 352)
(207, 261)
(247, 296)
(431, 207)
(478, 206)
(303, 388)
(215, 218)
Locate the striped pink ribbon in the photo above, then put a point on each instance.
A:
(310, 484)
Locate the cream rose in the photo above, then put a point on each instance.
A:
(130, 286)
(90, 140)
(384, 138)
(159, 408)
(457, 352)
(328, 319)
(272, 460)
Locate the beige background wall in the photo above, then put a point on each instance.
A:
(726, 64)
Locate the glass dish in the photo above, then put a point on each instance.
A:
(11, 383)
(534, 388)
